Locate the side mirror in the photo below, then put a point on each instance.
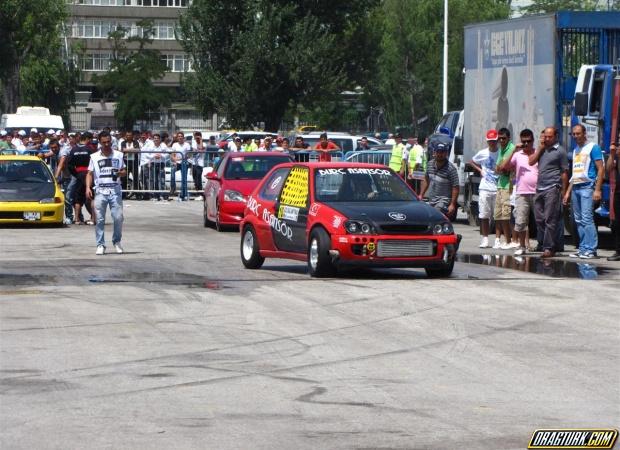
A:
(458, 145)
(212, 176)
(581, 103)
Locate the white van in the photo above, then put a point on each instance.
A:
(28, 117)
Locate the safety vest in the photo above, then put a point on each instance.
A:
(396, 161)
(417, 155)
(581, 164)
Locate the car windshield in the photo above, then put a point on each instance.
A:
(13, 171)
(357, 184)
(252, 167)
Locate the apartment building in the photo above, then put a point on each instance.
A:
(90, 23)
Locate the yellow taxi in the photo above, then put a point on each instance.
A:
(28, 191)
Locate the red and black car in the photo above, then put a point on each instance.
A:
(342, 214)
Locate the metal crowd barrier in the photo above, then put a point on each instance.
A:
(370, 157)
(314, 155)
(196, 163)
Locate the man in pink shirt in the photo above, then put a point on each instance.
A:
(526, 177)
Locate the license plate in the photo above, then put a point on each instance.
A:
(32, 215)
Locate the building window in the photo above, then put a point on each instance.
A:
(177, 62)
(100, 29)
(95, 62)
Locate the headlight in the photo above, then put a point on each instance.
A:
(233, 196)
(443, 228)
(357, 227)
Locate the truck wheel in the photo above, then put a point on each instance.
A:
(319, 261)
(250, 252)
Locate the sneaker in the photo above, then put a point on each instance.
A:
(505, 246)
(575, 255)
(497, 244)
(520, 251)
(614, 257)
(587, 255)
(484, 242)
(118, 248)
(100, 250)
(514, 245)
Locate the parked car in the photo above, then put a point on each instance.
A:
(346, 143)
(228, 186)
(28, 191)
(334, 215)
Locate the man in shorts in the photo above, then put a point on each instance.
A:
(485, 162)
(502, 200)
(526, 177)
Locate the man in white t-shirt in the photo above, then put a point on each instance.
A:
(179, 152)
(198, 159)
(484, 162)
(104, 172)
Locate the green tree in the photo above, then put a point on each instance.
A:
(409, 78)
(33, 67)
(129, 81)
(550, 6)
(255, 60)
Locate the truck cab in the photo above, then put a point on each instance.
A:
(596, 107)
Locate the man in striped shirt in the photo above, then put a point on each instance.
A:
(441, 182)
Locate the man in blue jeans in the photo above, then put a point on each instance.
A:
(106, 169)
(584, 190)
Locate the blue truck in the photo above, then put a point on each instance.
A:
(523, 73)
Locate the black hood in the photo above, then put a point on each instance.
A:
(26, 192)
(392, 216)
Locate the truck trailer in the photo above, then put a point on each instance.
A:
(522, 73)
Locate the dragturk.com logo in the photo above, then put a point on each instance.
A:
(574, 438)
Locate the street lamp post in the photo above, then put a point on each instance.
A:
(445, 57)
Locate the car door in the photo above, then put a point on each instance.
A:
(265, 206)
(289, 227)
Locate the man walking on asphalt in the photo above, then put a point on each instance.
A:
(105, 170)
(550, 188)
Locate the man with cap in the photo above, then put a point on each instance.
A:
(485, 162)
(441, 182)
(266, 144)
(398, 159)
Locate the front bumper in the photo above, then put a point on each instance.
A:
(363, 250)
(231, 213)
(13, 212)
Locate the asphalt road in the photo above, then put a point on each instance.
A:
(175, 345)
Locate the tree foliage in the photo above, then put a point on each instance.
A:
(33, 68)
(129, 81)
(550, 6)
(409, 79)
(256, 59)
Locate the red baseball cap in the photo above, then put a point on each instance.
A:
(492, 135)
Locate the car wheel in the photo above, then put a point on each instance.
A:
(441, 272)
(250, 253)
(206, 221)
(319, 261)
(218, 225)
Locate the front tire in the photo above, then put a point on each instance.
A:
(319, 261)
(218, 226)
(206, 222)
(441, 272)
(250, 251)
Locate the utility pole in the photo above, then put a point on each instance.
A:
(445, 57)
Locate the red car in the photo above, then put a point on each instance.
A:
(232, 180)
(344, 214)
